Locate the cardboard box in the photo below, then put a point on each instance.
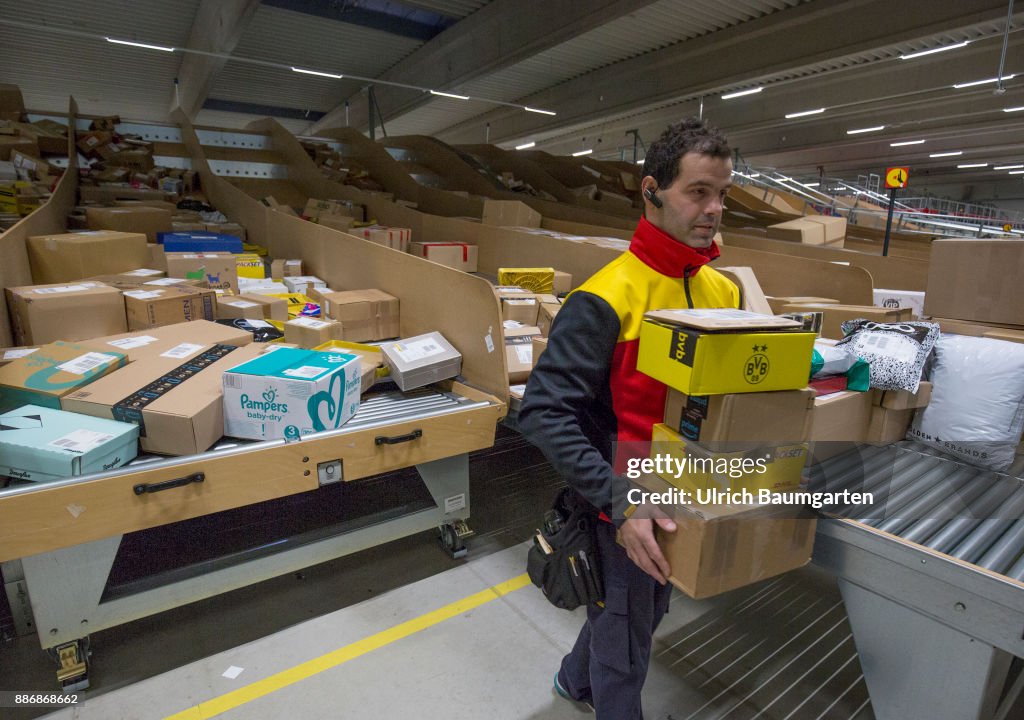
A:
(799, 231)
(904, 399)
(460, 256)
(231, 229)
(778, 303)
(562, 283)
(833, 315)
(316, 209)
(309, 332)
(421, 360)
(252, 307)
(145, 344)
(166, 305)
(299, 305)
(977, 280)
(540, 344)
(727, 467)
(538, 280)
(510, 213)
(711, 352)
(301, 283)
(250, 265)
(546, 316)
(45, 376)
(371, 360)
(365, 315)
(174, 398)
(520, 309)
(889, 426)
(900, 299)
(285, 268)
(842, 416)
(146, 220)
(717, 548)
(288, 393)
(157, 258)
(73, 256)
(780, 418)
(519, 352)
(394, 238)
(834, 227)
(217, 269)
(78, 311)
(42, 444)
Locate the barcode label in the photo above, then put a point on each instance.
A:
(18, 352)
(84, 363)
(242, 304)
(235, 382)
(309, 322)
(164, 281)
(524, 353)
(181, 351)
(132, 342)
(418, 349)
(62, 289)
(143, 294)
(259, 324)
(305, 371)
(897, 348)
(81, 441)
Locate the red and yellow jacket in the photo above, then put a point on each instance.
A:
(585, 393)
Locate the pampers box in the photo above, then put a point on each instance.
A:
(41, 444)
(290, 392)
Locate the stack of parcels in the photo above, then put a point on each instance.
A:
(737, 420)
(350, 315)
(332, 213)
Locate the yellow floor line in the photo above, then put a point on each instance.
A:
(228, 701)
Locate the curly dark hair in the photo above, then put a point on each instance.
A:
(688, 135)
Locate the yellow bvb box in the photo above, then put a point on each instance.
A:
(712, 352)
(538, 280)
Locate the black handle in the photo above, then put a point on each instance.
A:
(381, 440)
(144, 488)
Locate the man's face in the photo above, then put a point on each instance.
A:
(692, 205)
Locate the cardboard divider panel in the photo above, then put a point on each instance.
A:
(50, 218)
(886, 272)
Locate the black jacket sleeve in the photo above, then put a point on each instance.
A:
(566, 409)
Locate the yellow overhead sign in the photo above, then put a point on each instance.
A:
(896, 177)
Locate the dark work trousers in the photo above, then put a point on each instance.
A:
(608, 665)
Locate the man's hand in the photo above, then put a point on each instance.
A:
(642, 548)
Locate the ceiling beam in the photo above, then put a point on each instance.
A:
(392, 18)
(498, 35)
(730, 58)
(217, 28)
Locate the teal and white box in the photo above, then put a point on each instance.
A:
(290, 392)
(42, 444)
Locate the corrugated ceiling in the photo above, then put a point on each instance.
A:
(451, 8)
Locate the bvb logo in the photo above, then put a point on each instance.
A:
(757, 367)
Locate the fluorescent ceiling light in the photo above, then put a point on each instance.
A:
(641, 162)
(317, 72)
(906, 142)
(952, 153)
(741, 93)
(1014, 109)
(141, 45)
(449, 95)
(1016, 172)
(876, 128)
(805, 113)
(582, 153)
(538, 110)
(809, 184)
(922, 53)
(973, 165)
(527, 146)
(1008, 167)
(958, 86)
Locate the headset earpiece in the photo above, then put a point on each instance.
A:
(655, 200)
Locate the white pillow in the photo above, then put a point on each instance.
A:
(976, 413)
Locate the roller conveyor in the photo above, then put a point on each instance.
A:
(931, 574)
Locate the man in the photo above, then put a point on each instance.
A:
(586, 395)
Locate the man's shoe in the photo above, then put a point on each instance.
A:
(564, 694)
